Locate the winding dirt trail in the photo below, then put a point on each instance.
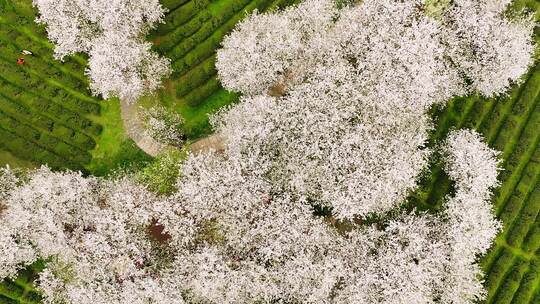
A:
(135, 130)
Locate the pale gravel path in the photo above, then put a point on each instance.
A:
(135, 130)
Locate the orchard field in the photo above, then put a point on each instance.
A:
(47, 115)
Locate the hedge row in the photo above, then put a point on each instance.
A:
(498, 269)
(196, 77)
(196, 97)
(44, 140)
(10, 288)
(207, 48)
(31, 86)
(52, 107)
(10, 52)
(181, 15)
(508, 288)
(532, 241)
(171, 5)
(528, 284)
(226, 12)
(22, 114)
(25, 149)
(166, 43)
(526, 219)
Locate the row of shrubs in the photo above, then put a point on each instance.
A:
(46, 124)
(19, 82)
(196, 77)
(528, 283)
(207, 48)
(507, 288)
(51, 108)
(496, 272)
(42, 113)
(226, 12)
(198, 96)
(25, 149)
(22, 288)
(531, 244)
(166, 43)
(171, 5)
(181, 15)
(527, 218)
(47, 69)
(45, 140)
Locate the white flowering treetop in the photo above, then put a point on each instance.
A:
(334, 118)
(491, 50)
(121, 63)
(163, 126)
(350, 125)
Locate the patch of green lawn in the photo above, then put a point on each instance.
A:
(114, 150)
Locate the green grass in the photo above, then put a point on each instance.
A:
(114, 150)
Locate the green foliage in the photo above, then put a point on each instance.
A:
(21, 289)
(510, 124)
(48, 116)
(47, 113)
(126, 158)
(161, 174)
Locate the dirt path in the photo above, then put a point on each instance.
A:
(135, 130)
(212, 142)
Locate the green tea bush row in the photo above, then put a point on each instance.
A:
(498, 269)
(196, 97)
(181, 15)
(511, 209)
(68, 117)
(6, 300)
(41, 89)
(526, 219)
(207, 48)
(44, 140)
(21, 114)
(40, 112)
(172, 4)
(507, 289)
(532, 242)
(25, 149)
(208, 28)
(528, 284)
(67, 151)
(189, 28)
(9, 287)
(196, 77)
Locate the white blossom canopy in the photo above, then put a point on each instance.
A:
(338, 118)
(112, 32)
